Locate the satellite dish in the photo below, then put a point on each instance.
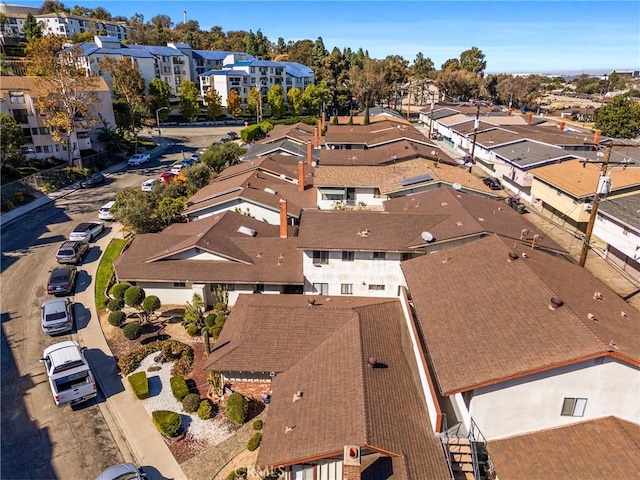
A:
(457, 186)
(427, 237)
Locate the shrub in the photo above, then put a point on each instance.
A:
(191, 402)
(7, 205)
(254, 441)
(116, 318)
(179, 387)
(210, 320)
(240, 472)
(215, 332)
(220, 319)
(140, 384)
(117, 291)
(168, 423)
(132, 330)
(115, 304)
(258, 424)
(183, 353)
(205, 410)
(220, 307)
(150, 304)
(134, 296)
(237, 408)
(192, 330)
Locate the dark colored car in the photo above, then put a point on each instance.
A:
(93, 181)
(232, 135)
(62, 281)
(72, 252)
(492, 183)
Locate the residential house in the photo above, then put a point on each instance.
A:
(235, 252)
(19, 100)
(564, 191)
(606, 447)
(618, 224)
(255, 188)
(358, 137)
(521, 341)
(345, 399)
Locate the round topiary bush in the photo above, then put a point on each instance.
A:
(220, 307)
(117, 318)
(168, 423)
(238, 473)
(132, 330)
(191, 402)
(210, 320)
(205, 410)
(258, 424)
(134, 296)
(192, 330)
(254, 441)
(115, 304)
(179, 387)
(151, 303)
(117, 291)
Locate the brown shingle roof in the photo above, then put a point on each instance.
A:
(266, 258)
(323, 352)
(383, 154)
(19, 83)
(373, 134)
(581, 180)
(502, 309)
(300, 132)
(605, 448)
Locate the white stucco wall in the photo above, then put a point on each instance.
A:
(364, 196)
(362, 270)
(257, 211)
(167, 293)
(612, 232)
(535, 402)
(192, 254)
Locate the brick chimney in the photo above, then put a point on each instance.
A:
(315, 137)
(529, 118)
(596, 136)
(309, 155)
(561, 126)
(352, 467)
(283, 218)
(323, 120)
(301, 176)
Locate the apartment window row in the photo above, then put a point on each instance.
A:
(40, 149)
(345, 288)
(321, 257)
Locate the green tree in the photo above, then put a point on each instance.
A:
(53, 6)
(101, 14)
(311, 100)
(319, 53)
(620, 118)
(368, 83)
(301, 52)
(458, 85)
(11, 139)
(137, 211)
(275, 98)
(194, 312)
(189, 106)
(66, 92)
(197, 177)
(32, 29)
(254, 101)
(422, 67)
(220, 156)
(159, 96)
(294, 96)
(451, 65)
(169, 210)
(234, 103)
(213, 101)
(473, 61)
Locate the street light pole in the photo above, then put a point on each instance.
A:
(158, 119)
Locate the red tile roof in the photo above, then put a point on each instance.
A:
(501, 308)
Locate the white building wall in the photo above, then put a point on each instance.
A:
(191, 254)
(168, 294)
(362, 273)
(364, 197)
(256, 211)
(534, 403)
(615, 234)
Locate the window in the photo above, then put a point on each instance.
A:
(348, 256)
(321, 288)
(44, 131)
(379, 255)
(573, 407)
(259, 288)
(405, 256)
(320, 257)
(16, 97)
(376, 287)
(20, 115)
(346, 289)
(179, 284)
(34, 131)
(47, 149)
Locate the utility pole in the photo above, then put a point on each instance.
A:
(597, 196)
(433, 104)
(476, 125)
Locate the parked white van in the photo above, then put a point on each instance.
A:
(70, 376)
(105, 211)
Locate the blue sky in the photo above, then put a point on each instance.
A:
(515, 36)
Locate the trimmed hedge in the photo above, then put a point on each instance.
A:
(132, 330)
(254, 441)
(115, 304)
(258, 424)
(191, 403)
(205, 410)
(172, 350)
(240, 472)
(117, 291)
(140, 384)
(168, 423)
(117, 318)
(237, 408)
(179, 387)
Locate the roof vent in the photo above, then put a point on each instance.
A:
(297, 396)
(512, 257)
(282, 176)
(247, 231)
(524, 233)
(457, 186)
(270, 190)
(427, 237)
(311, 302)
(555, 303)
(363, 233)
(591, 316)
(597, 296)
(372, 362)
(288, 428)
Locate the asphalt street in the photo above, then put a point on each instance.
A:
(40, 440)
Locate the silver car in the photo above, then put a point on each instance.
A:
(87, 231)
(57, 316)
(122, 471)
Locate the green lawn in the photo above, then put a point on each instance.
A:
(105, 269)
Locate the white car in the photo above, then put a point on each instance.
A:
(138, 159)
(105, 211)
(57, 316)
(148, 185)
(87, 231)
(177, 168)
